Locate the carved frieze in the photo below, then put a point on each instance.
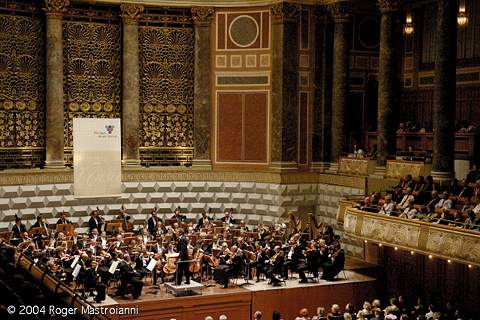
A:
(55, 7)
(202, 15)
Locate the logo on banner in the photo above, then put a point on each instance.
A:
(109, 128)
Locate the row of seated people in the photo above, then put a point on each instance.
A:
(401, 308)
(407, 200)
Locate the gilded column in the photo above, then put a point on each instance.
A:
(202, 17)
(341, 46)
(388, 84)
(444, 90)
(322, 104)
(130, 85)
(54, 83)
(284, 119)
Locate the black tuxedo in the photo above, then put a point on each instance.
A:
(182, 249)
(94, 223)
(201, 222)
(128, 276)
(18, 230)
(180, 217)
(152, 225)
(66, 221)
(230, 220)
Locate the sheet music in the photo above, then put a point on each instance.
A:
(151, 264)
(74, 262)
(113, 267)
(76, 271)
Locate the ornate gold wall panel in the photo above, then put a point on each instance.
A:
(22, 101)
(166, 93)
(91, 73)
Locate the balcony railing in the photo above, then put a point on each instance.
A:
(440, 240)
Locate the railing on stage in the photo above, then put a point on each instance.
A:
(444, 241)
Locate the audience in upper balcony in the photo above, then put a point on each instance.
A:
(473, 175)
(418, 199)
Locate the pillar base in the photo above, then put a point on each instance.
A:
(442, 176)
(54, 164)
(131, 163)
(379, 172)
(333, 168)
(283, 166)
(319, 166)
(202, 164)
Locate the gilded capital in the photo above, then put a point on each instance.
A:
(130, 12)
(388, 5)
(340, 11)
(284, 11)
(202, 15)
(55, 7)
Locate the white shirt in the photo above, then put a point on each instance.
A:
(387, 208)
(444, 204)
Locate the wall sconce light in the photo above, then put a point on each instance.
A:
(462, 19)
(408, 27)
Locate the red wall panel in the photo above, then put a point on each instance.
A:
(229, 126)
(255, 127)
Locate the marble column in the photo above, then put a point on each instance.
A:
(284, 106)
(202, 17)
(322, 104)
(388, 84)
(341, 46)
(54, 84)
(130, 85)
(444, 91)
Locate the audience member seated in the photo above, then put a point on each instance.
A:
(388, 207)
(406, 199)
(473, 175)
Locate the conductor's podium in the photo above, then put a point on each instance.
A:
(184, 289)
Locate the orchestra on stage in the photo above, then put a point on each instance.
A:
(113, 256)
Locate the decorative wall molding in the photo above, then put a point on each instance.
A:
(443, 241)
(37, 176)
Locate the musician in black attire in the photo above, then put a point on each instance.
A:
(235, 265)
(261, 264)
(202, 220)
(182, 249)
(63, 219)
(312, 263)
(129, 278)
(152, 223)
(41, 224)
(178, 216)
(95, 222)
(293, 258)
(275, 266)
(335, 265)
(18, 228)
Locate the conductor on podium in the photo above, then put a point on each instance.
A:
(182, 249)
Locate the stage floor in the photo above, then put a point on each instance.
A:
(239, 301)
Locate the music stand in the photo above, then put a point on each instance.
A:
(66, 229)
(170, 222)
(114, 228)
(37, 230)
(218, 230)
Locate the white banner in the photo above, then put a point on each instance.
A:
(97, 170)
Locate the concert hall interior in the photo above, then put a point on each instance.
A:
(240, 159)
